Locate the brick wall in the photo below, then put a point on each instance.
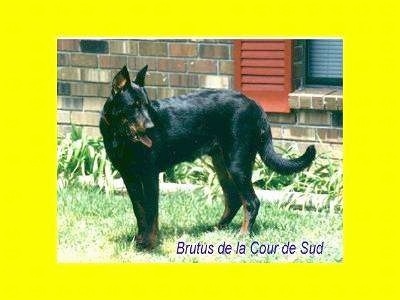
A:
(316, 112)
(86, 68)
(307, 126)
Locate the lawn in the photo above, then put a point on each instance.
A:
(98, 227)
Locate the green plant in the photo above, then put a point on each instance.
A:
(324, 177)
(201, 172)
(82, 158)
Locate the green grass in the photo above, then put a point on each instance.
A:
(96, 227)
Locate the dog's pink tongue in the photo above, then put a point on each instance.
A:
(146, 140)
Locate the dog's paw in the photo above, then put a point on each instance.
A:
(145, 244)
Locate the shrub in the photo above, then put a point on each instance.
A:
(80, 156)
(324, 176)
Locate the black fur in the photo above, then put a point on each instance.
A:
(143, 138)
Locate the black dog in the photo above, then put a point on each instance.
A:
(143, 138)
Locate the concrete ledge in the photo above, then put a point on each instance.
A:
(318, 98)
(281, 198)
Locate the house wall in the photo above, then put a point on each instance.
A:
(85, 69)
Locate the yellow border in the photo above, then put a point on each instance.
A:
(27, 151)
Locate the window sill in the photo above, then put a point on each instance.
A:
(319, 98)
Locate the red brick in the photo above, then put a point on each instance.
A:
(202, 66)
(112, 61)
(294, 102)
(183, 50)
(214, 51)
(63, 59)
(153, 48)
(314, 118)
(63, 88)
(67, 73)
(63, 117)
(184, 80)
(136, 63)
(276, 132)
(298, 133)
(84, 89)
(317, 102)
(171, 65)
(214, 81)
(103, 89)
(157, 79)
(330, 103)
(305, 101)
(124, 47)
(152, 92)
(131, 63)
(93, 103)
(330, 135)
(226, 67)
(71, 103)
(83, 60)
(289, 118)
(282, 144)
(180, 91)
(85, 118)
(171, 92)
(213, 41)
(68, 45)
(165, 93)
(96, 75)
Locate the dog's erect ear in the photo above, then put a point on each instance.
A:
(121, 80)
(139, 80)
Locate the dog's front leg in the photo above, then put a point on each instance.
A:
(134, 187)
(151, 194)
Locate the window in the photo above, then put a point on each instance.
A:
(324, 61)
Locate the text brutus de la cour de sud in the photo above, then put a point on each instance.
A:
(253, 248)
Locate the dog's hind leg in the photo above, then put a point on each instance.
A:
(231, 194)
(249, 199)
(240, 167)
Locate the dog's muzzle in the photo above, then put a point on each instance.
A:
(140, 136)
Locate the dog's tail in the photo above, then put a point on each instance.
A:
(275, 161)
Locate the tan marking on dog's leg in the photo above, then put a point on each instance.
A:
(245, 229)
